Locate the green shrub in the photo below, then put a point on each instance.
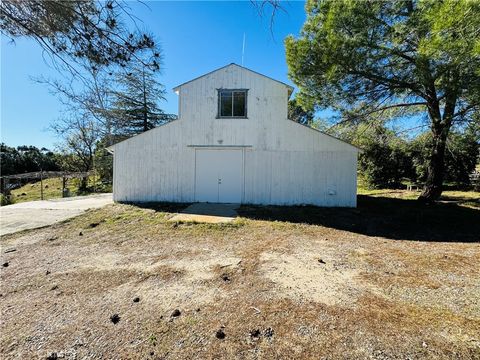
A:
(5, 200)
(461, 156)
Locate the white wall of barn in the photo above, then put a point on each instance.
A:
(284, 162)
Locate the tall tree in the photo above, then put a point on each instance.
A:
(136, 102)
(78, 31)
(364, 57)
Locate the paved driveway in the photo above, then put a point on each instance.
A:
(34, 214)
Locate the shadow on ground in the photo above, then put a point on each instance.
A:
(160, 206)
(391, 218)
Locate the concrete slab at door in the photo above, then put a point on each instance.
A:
(207, 213)
(219, 175)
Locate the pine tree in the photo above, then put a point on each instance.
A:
(136, 103)
(402, 58)
(77, 31)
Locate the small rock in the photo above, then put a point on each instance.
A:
(80, 233)
(220, 334)
(5, 264)
(52, 356)
(10, 250)
(321, 261)
(46, 186)
(78, 343)
(136, 299)
(268, 332)
(115, 318)
(54, 287)
(51, 238)
(197, 309)
(225, 278)
(255, 333)
(23, 194)
(93, 225)
(47, 272)
(176, 313)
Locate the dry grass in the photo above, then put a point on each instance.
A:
(464, 198)
(52, 188)
(372, 295)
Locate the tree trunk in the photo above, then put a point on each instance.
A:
(145, 109)
(145, 120)
(440, 129)
(83, 184)
(436, 167)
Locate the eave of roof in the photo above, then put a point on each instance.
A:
(111, 148)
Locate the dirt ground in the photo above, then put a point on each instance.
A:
(387, 280)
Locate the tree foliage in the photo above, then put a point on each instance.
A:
(136, 103)
(79, 30)
(80, 135)
(92, 99)
(299, 114)
(385, 160)
(461, 157)
(23, 159)
(364, 57)
(90, 39)
(388, 159)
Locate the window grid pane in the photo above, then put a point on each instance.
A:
(233, 103)
(239, 103)
(226, 102)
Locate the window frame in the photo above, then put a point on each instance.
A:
(219, 107)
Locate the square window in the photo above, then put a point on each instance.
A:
(232, 103)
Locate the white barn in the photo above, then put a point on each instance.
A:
(233, 143)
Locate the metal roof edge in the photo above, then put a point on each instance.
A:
(242, 67)
(111, 148)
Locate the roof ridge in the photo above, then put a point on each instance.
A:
(242, 67)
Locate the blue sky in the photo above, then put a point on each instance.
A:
(196, 37)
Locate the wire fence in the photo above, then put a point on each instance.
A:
(41, 185)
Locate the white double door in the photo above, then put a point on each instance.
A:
(218, 175)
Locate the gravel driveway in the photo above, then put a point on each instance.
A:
(35, 214)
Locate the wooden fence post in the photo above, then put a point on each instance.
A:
(41, 185)
(63, 186)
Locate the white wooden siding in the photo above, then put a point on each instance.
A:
(285, 162)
